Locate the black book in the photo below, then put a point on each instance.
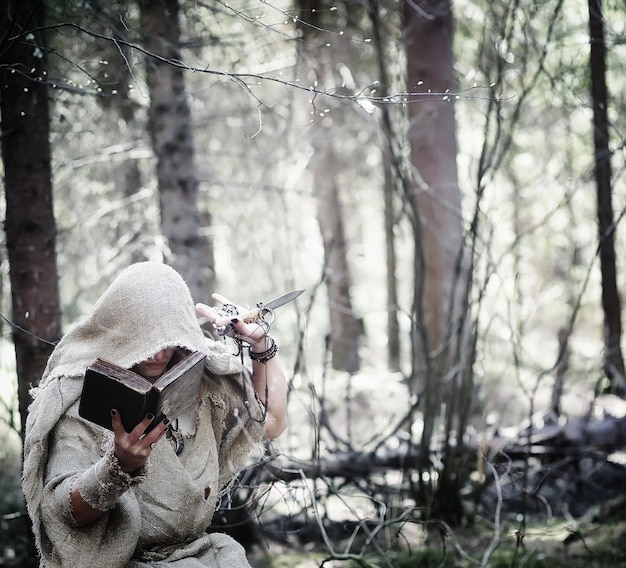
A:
(109, 386)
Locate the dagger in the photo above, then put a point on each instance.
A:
(265, 310)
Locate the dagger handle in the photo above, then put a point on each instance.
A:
(261, 312)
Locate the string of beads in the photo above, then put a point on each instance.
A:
(264, 356)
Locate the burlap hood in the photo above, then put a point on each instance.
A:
(148, 307)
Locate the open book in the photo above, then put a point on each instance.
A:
(109, 386)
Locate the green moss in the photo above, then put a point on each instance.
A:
(291, 560)
(592, 545)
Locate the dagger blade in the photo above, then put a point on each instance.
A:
(283, 299)
(265, 310)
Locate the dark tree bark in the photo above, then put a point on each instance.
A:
(171, 130)
(29, 224)
(432, 136)
(611, 304)
(441, 356)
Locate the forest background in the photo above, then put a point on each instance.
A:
(444, 179)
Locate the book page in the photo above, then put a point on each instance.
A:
(181, 392)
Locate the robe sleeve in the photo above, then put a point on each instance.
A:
(81, 452)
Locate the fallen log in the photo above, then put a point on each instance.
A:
(347, 465)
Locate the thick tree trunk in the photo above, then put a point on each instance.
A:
(433, 157)
(189, 251)
(611, 304)
(440, 359)
(29, 225)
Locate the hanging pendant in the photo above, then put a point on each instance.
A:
(176, 438)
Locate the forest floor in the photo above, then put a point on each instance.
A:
(596, 540)
(587, 544)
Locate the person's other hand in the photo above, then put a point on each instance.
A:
(252, 333)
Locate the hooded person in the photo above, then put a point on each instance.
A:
(88, 503)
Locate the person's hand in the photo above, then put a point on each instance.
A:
(252, 333)
(133, 448)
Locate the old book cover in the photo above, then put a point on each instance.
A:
(107, 386)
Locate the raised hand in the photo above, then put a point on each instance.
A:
(228, 321)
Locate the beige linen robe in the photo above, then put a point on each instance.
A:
(158, 517)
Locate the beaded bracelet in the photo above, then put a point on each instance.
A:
(264, 356)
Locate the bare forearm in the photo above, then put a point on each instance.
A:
(268, 376)
(84, 513)
(270, 384)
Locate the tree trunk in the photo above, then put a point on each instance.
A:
(440, 358)
(611, 304)
(391, 171)
(433, 157)
(29, 225)
(345, 329)
(189, 251)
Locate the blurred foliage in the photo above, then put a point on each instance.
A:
(252, 109)
(14, 523)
